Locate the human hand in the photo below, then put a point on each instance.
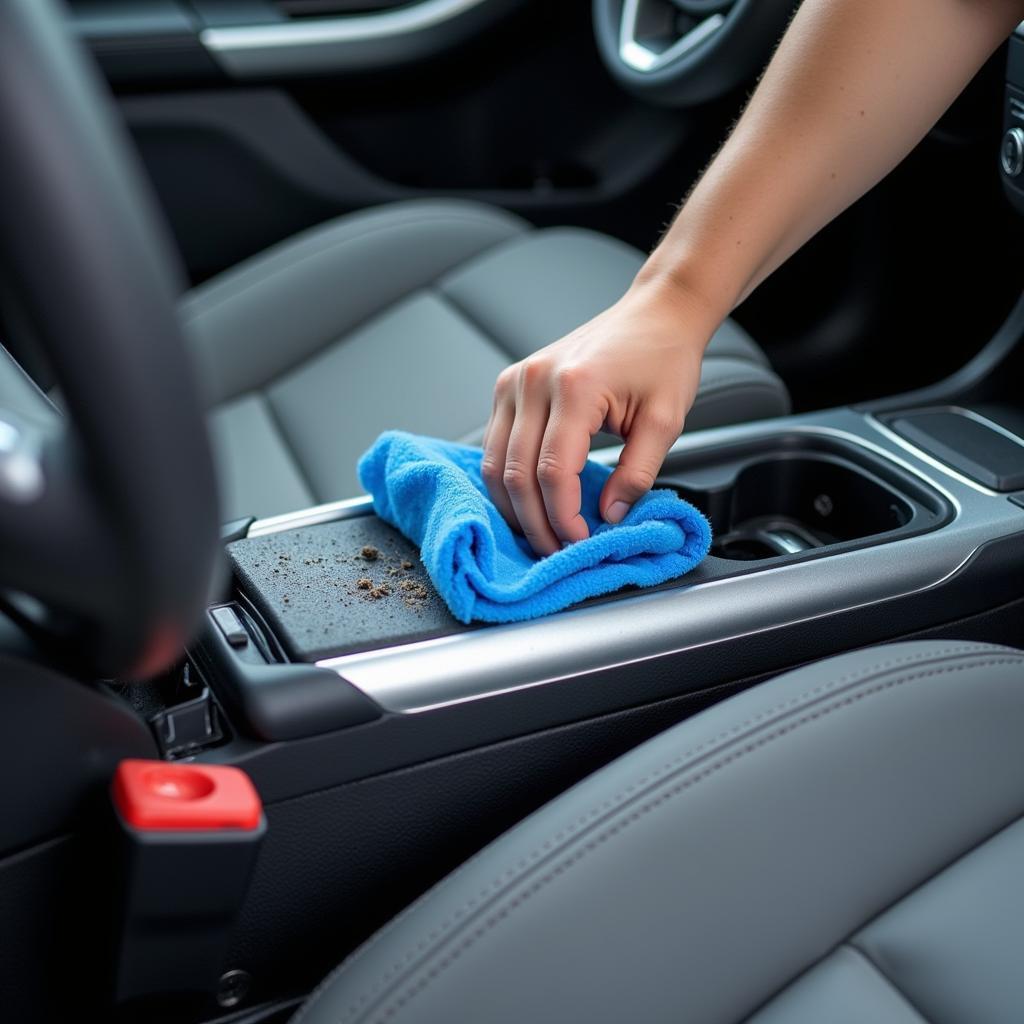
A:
(633, 370)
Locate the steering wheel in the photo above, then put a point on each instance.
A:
(108, 516)
(684, 52)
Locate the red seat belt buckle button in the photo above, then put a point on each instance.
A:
(156, 796)
(189, 837)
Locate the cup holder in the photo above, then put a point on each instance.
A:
(799, 496)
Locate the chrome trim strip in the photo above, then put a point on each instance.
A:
(435, 674)
(641, 58)
(245, 49)
(313, 516)
(501, 659)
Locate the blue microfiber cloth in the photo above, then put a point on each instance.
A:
(432, 491)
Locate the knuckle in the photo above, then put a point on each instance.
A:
(515, 479)
(506, 380)
(533, 371)
(637, 478)
(663, 422)
(569, 379)
(550, 470)
(490, 470)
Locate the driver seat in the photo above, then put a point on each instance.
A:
(844, 843)
(402, 317)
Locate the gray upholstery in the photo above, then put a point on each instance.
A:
(402, 317)
(841, 844)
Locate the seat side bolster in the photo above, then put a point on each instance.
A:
(705, 870)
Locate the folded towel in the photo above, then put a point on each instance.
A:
(432, 492)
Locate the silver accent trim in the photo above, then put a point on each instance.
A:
(985, 421)
(496, 660)
(938, 464)
(250, 49)
(639, 57)
(313, 516)
(432, 674)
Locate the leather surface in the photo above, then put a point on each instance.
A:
(843, 989)
(708, 870)
(402, 317)
(956, 945)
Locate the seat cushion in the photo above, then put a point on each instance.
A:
(842, 843)
(402, 317)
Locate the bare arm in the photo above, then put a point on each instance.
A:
(854, 85)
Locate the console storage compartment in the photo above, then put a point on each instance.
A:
(354, 584)
(800, 495)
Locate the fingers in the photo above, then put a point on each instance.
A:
(651, 436)
(563, 454)
(522, 457)
(535, 447)
(492, 466)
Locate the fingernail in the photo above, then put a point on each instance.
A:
(616, 511)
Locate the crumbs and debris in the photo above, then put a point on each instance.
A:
(382, 573)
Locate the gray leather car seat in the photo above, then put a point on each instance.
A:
(403, 316)
(842, 844)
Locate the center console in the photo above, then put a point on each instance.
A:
(389, 742)
(371, 720)
(832, 530)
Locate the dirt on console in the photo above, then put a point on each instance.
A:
(413, 593)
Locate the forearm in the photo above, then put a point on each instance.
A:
(853, 87)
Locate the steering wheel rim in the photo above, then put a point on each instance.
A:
(684, 52)
(111, 525)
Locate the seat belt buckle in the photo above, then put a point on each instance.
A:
(189, 838)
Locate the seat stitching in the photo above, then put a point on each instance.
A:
(655, 802)
(337, 244)
(652, 776)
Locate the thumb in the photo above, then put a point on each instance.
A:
(639, 465)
